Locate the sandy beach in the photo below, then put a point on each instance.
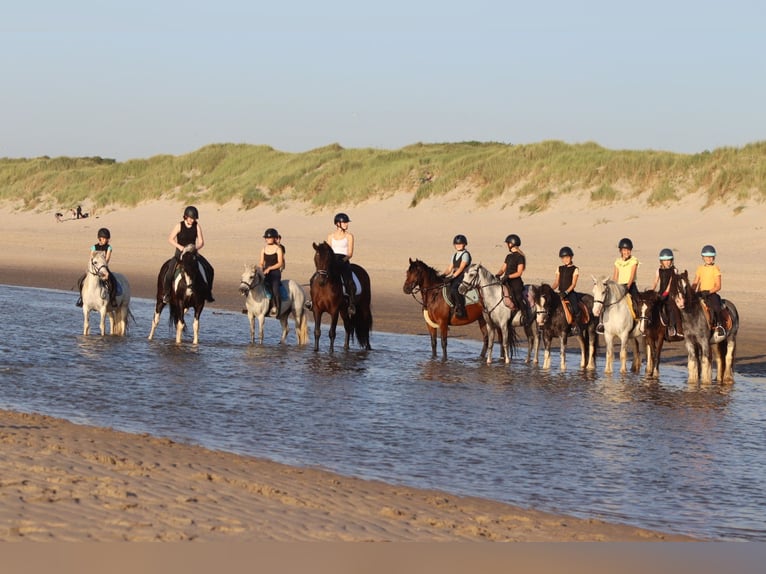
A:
(60, 481)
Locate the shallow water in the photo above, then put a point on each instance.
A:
(661, 455)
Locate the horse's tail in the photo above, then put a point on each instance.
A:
(512, 338)
(361, 326)
(302, 328)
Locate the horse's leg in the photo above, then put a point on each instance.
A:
(484, 338)
(583, 350)
(102, 322)
(692, 366)
(261, 321)
(563, 351)
(179, 328)
(536, 344)
(251, 321)
(728, 374)
(283, 320)
(649, 345)
(609, 363)
(317, 327)
(444, 327)
(706, 367)
(547, 343)
(506, 339)
(491, 342)
(624, 353)
(156, 319)
(660, 342)
(85, 320)
(333, 329)
(636, 366)
(432, 333)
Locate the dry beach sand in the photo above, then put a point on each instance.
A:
(60, 481)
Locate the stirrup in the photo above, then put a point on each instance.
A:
(78, 303)
(600, 329)
(308, 305)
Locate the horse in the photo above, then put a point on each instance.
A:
(327, 296)
(552, 321)
(651, 326)
(258, 300)
(701, 343)
(609, 299)
(188, 292)
(497, 313)
(95, 297)
(437, 311)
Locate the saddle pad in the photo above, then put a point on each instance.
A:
(357, 284)
(471, 297)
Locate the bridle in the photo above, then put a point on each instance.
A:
(415, 287)
(603, 302)
(95, 268)
(474, 284)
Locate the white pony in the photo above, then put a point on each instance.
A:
(257, 302)
(609, 299)
(95, 297)
(498, 315)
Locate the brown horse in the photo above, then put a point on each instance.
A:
(649, 308)
(437, 312)
(553, 322)
(189, 292)
(327, 296)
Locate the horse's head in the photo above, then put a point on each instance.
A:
(248, 280)
(414, 277)
(682, 289)
(544, 303)
(600, 294)
(646, 301)
(471, 279)
(97, 265)
(324, 261)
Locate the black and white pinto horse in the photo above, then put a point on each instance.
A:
(701, 342)
(95, 297)
(610, 300)
(552, 321)
(189, 291)
(258, 301)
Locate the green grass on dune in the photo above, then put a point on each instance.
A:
(531, 176)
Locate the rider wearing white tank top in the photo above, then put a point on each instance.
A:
(342, 243)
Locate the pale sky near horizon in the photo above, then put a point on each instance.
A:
(136, 79)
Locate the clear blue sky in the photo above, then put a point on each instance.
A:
(138, 78)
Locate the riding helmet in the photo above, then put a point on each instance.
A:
(459, 238)
(666, 255)
(341, 218)
(513, 239)
(625, 243)
(708, 251)
(271, 232)
(566, 251)
(104, 232)
(192, 212)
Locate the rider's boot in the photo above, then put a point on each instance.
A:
(600, 328)
(79, 301)
(460, 308)
(351, 298)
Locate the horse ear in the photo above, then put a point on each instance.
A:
(594, 279)
(410, 260)
(315, 245)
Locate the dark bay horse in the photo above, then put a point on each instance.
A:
(701, 343)
(437, 312)
(327, 296)
(188, 291)
(552, 320)
(652, 327)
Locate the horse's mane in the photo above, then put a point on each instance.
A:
(550, 295)
(427, 269)
(325, 250)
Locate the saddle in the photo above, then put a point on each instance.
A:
(724, 316)
(471, 296)
(283, 293)
(584, 314)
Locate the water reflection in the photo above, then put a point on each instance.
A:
(656, 453)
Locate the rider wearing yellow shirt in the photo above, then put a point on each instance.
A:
(707, 281)
(625, 268)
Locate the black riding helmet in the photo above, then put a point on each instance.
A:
(625, 243)
(341, 218)
(666, 254)
(708, 251)
(192, 212)
(460, 238)
(271, 232)
(564, 251)
(104, 232)
(514, 240)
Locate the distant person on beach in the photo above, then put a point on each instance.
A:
(104, 236)
(342, 243)
(188, 232)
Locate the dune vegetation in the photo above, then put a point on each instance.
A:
(531, 176)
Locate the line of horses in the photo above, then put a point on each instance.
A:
(545, 318)
(542, 318)
(189, 292)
